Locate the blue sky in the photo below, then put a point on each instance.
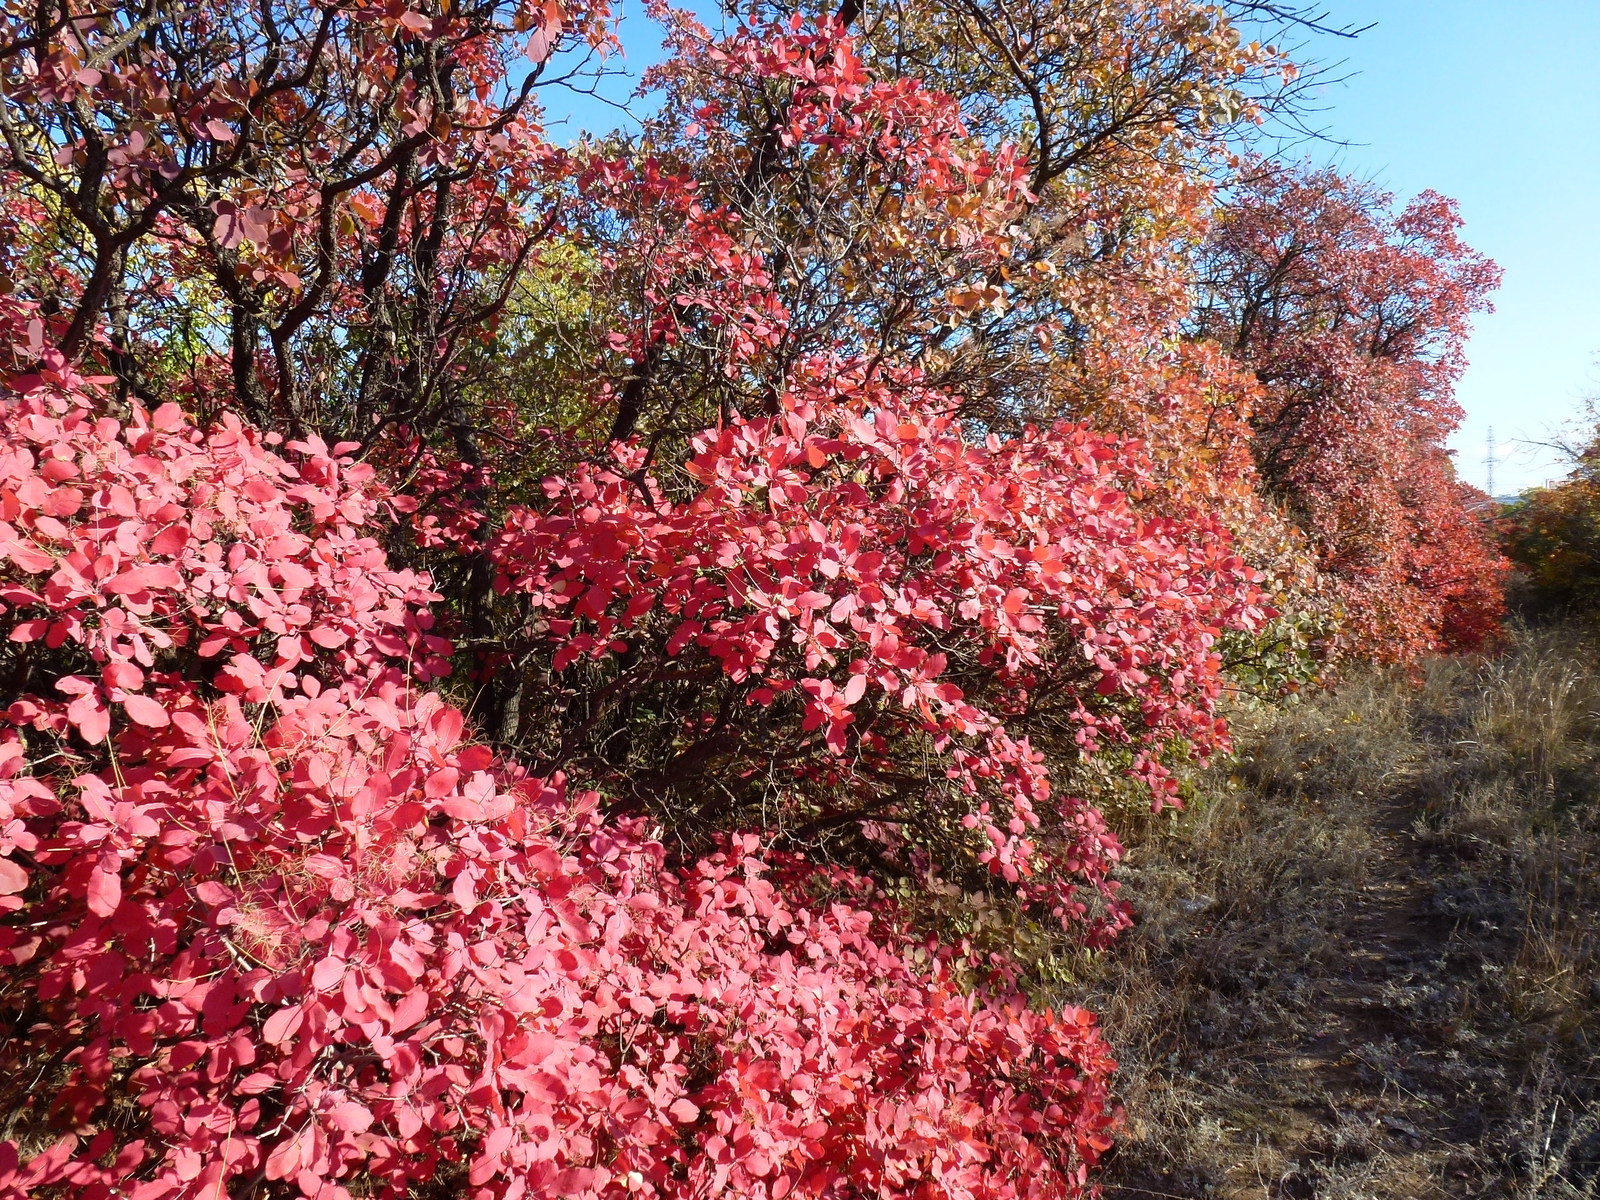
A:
(1493, 102)
(567, 114)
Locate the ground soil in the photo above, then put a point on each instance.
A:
(1346, 1031)
(1359, 1062)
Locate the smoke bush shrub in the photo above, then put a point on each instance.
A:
(876, 591)
(273, 925)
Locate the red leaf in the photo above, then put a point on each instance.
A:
(27, 556)
(282, 1025)
(411, 1009)
(150, 577)
(13, 878)
(146, 711)
(328, 974)
(91, 717)
(105, 885)
(350, 1117)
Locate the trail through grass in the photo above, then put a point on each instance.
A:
(1367, 962)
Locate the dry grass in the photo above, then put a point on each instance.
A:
(1367, 959)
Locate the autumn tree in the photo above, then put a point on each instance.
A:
(1083, 175)
(1353, 318)
(716, 688)
(325, 202)
(1552, 534)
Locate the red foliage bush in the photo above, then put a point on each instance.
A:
(268, 917)
(862, 556)
(1355, 317)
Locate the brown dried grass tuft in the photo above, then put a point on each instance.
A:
(1367, 960)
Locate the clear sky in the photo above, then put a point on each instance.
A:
(1496, 103)
(1493, 102)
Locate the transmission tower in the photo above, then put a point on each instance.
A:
(1488, 461)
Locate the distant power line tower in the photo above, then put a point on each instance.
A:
(1488, 460)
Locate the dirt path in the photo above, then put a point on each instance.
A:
(1346, 1098)
(1306, 1012)
(1374, 1120)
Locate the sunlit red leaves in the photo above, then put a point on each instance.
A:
(329, 942)
(850, 545)
(143, 541)
(1355, 317)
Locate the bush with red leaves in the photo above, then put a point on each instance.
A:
(858, 585)
(271, 925)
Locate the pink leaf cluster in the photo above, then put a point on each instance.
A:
(280, 920)
(860, 547)
(147, 544)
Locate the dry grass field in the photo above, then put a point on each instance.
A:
(1368, 958)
